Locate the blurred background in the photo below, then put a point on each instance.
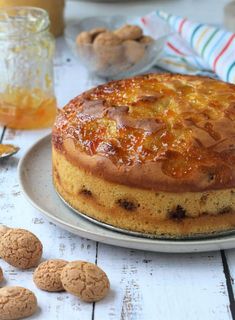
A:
(202, 10)
(210, 11)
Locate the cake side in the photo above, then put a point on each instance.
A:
(146, 211)
(164, 132)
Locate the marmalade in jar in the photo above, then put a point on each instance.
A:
(24, 109)
(27, 98)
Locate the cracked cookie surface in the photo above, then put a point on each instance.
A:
(20, 248)
(47, 275)
(16, 303)
(85, 280)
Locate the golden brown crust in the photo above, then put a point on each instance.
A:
(160, 132)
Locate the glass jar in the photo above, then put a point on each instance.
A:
(55, 9)
(27, 98)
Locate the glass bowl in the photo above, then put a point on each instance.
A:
(110, 62)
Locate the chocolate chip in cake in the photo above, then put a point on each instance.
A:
(127, 204)
(203, 199)
(211, 176)
(224, 210)
(86, 192)
(178, 213)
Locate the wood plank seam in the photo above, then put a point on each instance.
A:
(2, 135)
(228, 283)
(96, 259)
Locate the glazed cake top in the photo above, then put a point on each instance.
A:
(164, 132)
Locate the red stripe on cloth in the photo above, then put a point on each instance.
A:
(223, 50)
(143, 20)
(170, 45)
(181, 25)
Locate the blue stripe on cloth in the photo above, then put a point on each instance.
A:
(216, 45)
(230, 71)
(206, 45)
(194, 32)
(173, 23)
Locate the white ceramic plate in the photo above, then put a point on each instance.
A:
(35, 178)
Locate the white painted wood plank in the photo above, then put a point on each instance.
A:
(230, 255)
(15, 211)
(163, 286)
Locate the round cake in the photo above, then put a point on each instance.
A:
(153, 154)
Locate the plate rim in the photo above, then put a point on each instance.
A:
(155, 245)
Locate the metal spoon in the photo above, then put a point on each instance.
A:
(7, 150)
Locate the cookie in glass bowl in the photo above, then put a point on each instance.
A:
(111, 47)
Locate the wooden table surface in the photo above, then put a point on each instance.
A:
(144, 285)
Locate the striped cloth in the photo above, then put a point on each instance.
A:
(193, 48)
